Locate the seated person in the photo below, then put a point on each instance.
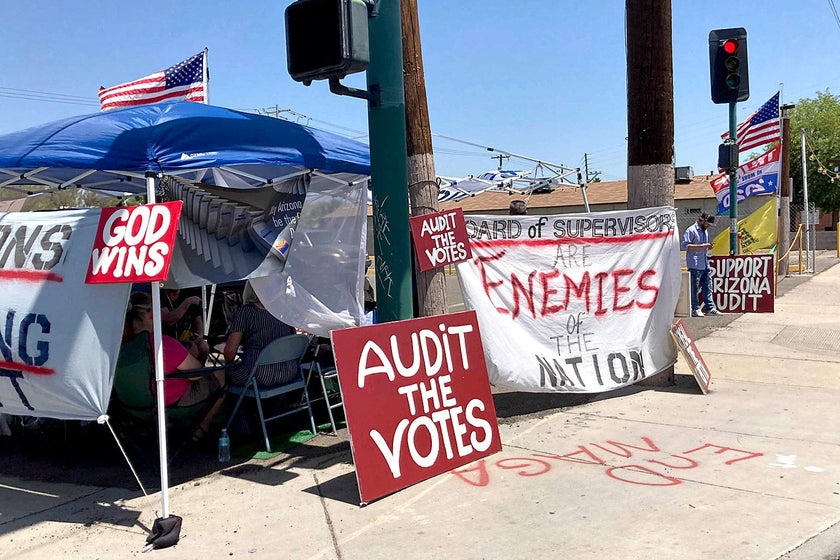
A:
(176, 392)
(182, 320)
(252, 328)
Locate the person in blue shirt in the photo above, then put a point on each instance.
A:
(696, 245)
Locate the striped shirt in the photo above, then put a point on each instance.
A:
(258, 328)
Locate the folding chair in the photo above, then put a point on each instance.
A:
(133, 400)
(283, 349)
(327, 375)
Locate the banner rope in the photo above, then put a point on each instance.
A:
(795, 237)
(783, 257)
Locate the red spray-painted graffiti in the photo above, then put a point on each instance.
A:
(644, 471)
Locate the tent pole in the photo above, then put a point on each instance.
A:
(208, 314)
(158, 351)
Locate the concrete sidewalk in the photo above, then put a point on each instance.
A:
(751, 470)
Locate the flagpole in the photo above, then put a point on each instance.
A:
(205, 73)
(206, 308)
(807, 216)
(733, 183)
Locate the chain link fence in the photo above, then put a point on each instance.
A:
(809, 240)
(803, 247)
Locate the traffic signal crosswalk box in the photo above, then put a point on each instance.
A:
(326, 39)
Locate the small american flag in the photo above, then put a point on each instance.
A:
(184, 81)
(760, 128)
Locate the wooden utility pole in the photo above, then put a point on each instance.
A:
(422, 184)
(784, 195)
(650, 115)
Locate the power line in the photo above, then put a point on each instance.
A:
(45, 96)
(834, 11)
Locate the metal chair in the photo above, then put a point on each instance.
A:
(283, 349)
(326, 374)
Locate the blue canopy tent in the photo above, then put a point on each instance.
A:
(235, 162)
(192, 144)
(113, 150)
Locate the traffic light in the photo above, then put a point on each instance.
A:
(728, 65)
(326, 39)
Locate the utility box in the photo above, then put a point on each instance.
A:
(326, 39)
(683, 174)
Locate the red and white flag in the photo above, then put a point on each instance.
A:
(760, 128)
(184, 81)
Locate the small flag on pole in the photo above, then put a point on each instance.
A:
(760, 128)
(186, 80)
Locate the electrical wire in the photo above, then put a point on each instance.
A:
(834, 12)
(32, 95)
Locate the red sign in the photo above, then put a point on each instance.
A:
(416, 398)
(743, 283)
(440, 238)
(692, 355)
(134, 244)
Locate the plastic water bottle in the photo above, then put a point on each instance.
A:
(224, 447)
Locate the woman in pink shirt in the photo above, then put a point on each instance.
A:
(176, 392)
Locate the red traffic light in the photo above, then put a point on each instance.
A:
(730, 46)
(729, 72)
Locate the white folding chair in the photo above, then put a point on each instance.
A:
(326, 375)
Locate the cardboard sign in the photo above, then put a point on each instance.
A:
(134, 244)
(743, 283)
(440, 239)
(416, 398)
(692, 355)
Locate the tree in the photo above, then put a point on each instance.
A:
(65, 198)
(820, 117)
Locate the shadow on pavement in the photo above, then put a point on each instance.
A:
(343, 488)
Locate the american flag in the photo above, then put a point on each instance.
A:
(184, 81)
(760, 128)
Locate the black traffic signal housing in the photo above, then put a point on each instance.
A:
(326, 39)
(728, 65)
(728, 156)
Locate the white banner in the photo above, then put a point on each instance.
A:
(574, 303)
(60, 337)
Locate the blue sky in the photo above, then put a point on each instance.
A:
(541, 78)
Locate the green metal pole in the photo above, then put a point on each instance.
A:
(733, 185)
(388, 159)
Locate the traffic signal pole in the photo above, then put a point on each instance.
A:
(389, 174)
(733, 184)
(730, 81)
(329, 40)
